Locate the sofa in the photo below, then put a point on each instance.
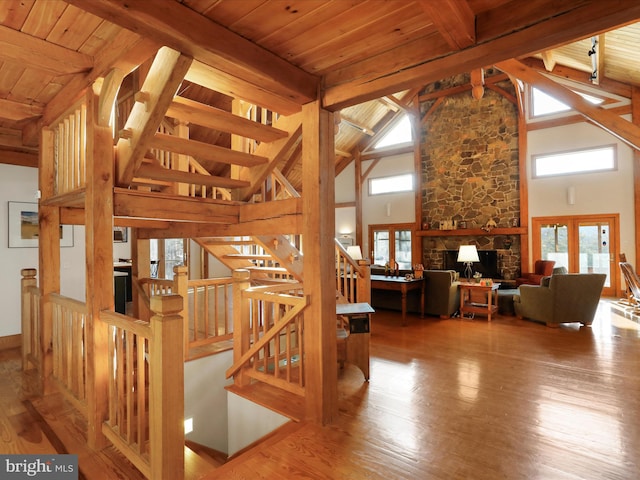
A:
(442, 298)
(572, 297)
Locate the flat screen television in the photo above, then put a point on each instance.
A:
(488, 265)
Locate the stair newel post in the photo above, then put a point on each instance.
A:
(241, 320)
(364, 282)
(181, 287)
(27, 314)
(166, 402)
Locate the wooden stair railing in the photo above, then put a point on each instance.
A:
(70, 149)
(268, 329)
(353, 278)
(69, 348)
(206, 308)
(146, 389)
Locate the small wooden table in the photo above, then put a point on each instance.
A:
(468, 306)
(358, 316)
(402, 285)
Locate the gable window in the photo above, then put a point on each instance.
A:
(400, 134)
(391, 184)
(544, 104)
(599, 159)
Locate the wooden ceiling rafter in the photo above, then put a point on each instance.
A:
(620, 128)
(183, 29)
(577, 21)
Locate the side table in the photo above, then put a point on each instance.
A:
(468, 306)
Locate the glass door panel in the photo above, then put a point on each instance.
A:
(555, 244)
(593, 246)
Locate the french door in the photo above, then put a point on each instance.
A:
(582, 244)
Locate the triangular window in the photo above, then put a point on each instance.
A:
(400, 134)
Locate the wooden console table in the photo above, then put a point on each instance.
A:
(358, 320)
(468, 306)
(400, 284)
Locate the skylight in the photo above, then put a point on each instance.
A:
(400, 134)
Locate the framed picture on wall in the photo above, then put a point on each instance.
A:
(120, 234)
(24, 229)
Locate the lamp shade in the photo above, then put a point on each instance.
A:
(355, 252)
(468, 253)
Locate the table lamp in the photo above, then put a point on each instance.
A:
(468, 254)
(355, 252)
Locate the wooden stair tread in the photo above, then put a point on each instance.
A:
(248, 256)
(197, 465)
(209, 455)
(269, 269)
(280, 401)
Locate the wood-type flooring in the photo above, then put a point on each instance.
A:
(448, 399)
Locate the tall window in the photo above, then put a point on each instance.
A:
(168, 257)
(392, 242)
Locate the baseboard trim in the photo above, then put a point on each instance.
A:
(10, 341)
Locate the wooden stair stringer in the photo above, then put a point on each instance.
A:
(287, 255)
(224, 253)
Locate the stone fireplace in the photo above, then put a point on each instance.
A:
(470, 174)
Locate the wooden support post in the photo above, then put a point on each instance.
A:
(166, 401)
(364, 282)
(140, 268)
(49, 253)
(181, 287)
(635, 113)
(99, 259)
(241, 321)
(318, 185)
(28, 280)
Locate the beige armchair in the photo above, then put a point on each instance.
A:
(442, 297)
(568, 298)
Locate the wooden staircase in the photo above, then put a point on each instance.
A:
(268, 258)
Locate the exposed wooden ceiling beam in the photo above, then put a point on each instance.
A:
(23, 159)
(15, 111)
(589, 17)
(181, 28)
(31, 52)
(454, 20)
(614, 124)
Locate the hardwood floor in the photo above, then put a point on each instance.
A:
(447, 399)
(465, 399)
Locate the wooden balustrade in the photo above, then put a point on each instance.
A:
(268, 330)
(69, 348)
(146, 388)
(70, 150)
(209, 311)
(353, 278)
(30, 315)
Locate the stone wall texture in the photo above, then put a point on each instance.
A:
(470, 174)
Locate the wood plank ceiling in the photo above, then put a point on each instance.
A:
(365, 58)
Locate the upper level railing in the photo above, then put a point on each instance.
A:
(70, 149)
(268, 334)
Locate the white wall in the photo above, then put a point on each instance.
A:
(205, 399)
(607, 192)
(374, 208)
(20, 184)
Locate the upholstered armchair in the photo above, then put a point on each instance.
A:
(442, 296)
(541, 269)
(568, 298)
